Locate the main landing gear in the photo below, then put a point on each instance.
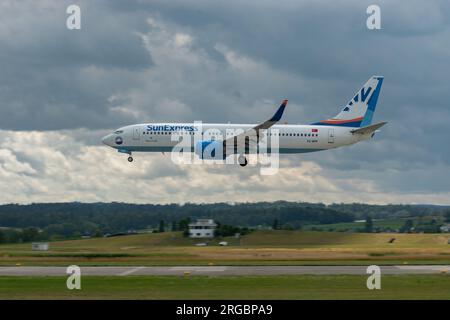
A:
(242, 160)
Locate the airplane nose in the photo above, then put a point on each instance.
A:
(106, 139)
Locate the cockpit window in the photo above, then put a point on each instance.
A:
(118, 131)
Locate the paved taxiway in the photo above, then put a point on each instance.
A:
(222, 270)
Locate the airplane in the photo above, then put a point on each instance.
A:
(351, 125)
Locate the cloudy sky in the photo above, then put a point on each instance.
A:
(61, 90)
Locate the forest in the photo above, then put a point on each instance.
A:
(48, 221)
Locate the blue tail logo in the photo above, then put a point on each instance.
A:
(359, 111)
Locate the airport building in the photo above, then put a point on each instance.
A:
(202, 228)
(40, 246)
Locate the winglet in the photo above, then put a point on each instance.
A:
(265, 125)
(277, 116)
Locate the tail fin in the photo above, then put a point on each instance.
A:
(359, 111)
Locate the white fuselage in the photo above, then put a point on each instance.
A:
(158, 137)
(218, 140)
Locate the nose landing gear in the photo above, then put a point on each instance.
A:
(128, 152)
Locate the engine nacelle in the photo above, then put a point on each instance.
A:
(210, 149)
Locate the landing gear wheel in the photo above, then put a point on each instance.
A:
(130, 159)
(242, 160)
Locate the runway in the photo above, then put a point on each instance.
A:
(223, 270)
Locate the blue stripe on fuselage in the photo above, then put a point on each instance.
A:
(169, 149)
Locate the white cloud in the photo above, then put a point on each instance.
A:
(56, 166)
(182, 39)
(189, 81)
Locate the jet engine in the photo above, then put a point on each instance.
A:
(210, 149)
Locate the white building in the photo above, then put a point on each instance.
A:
(445, 228)
(202, 228)
(39, 246)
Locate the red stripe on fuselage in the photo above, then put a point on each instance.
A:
(338, 121)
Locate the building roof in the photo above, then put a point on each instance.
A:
(203, 222)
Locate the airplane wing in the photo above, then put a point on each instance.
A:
(369, 129)
(276, 117)
(265, 125)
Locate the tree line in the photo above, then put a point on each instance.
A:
(42, 221)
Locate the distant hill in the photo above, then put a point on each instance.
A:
(86, 218)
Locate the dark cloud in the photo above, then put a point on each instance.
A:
(55, 78)
(186, 60)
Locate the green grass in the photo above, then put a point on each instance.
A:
(345, 226)
(343, 239)
(392, 224)
(260, 247)
(268, 238)
(238, 287)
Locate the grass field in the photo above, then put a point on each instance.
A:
(393, 224)
(260, 247)
(385, 223)
(239, 288)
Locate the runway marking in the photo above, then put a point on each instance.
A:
(199, 269)
(425, 268)
(222, 270)
(7, 269)
(128, 272)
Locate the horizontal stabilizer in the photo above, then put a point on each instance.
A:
(369, 129)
